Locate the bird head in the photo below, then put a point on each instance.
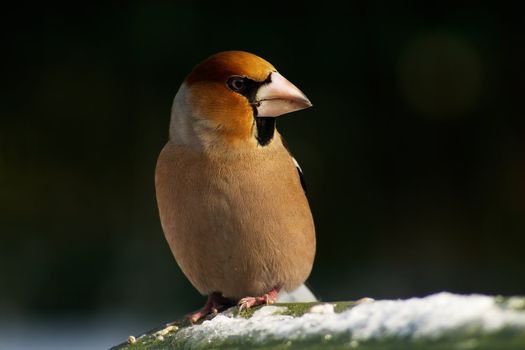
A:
(232, 99)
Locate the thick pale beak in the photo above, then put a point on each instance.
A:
(279, 97)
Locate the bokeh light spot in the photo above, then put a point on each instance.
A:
(441, 76)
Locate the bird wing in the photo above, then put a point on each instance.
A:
(301, 175)
(297, 166)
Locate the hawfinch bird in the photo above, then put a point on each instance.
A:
(231, 197)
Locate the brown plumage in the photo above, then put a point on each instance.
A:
(229, 195)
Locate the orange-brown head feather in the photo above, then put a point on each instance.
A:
(210, 97)
(227, 99)
(219, 67)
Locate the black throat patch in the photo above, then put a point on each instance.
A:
(265, 125)
(265, 129)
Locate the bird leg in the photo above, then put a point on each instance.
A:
(268, 298)
(215, 303)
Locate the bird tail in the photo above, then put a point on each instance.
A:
(301, 295)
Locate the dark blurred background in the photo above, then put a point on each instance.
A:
(413, 152)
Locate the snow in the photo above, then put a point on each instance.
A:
(430, 317)
(322, 309)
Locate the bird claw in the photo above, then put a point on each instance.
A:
(246, 303)
(215, 303)
(268, 298)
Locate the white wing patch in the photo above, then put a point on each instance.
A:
(301, 175)
(297, 165)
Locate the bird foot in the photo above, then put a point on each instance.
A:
(268, 298)
(215, 303)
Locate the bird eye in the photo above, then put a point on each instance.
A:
(237, 84)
